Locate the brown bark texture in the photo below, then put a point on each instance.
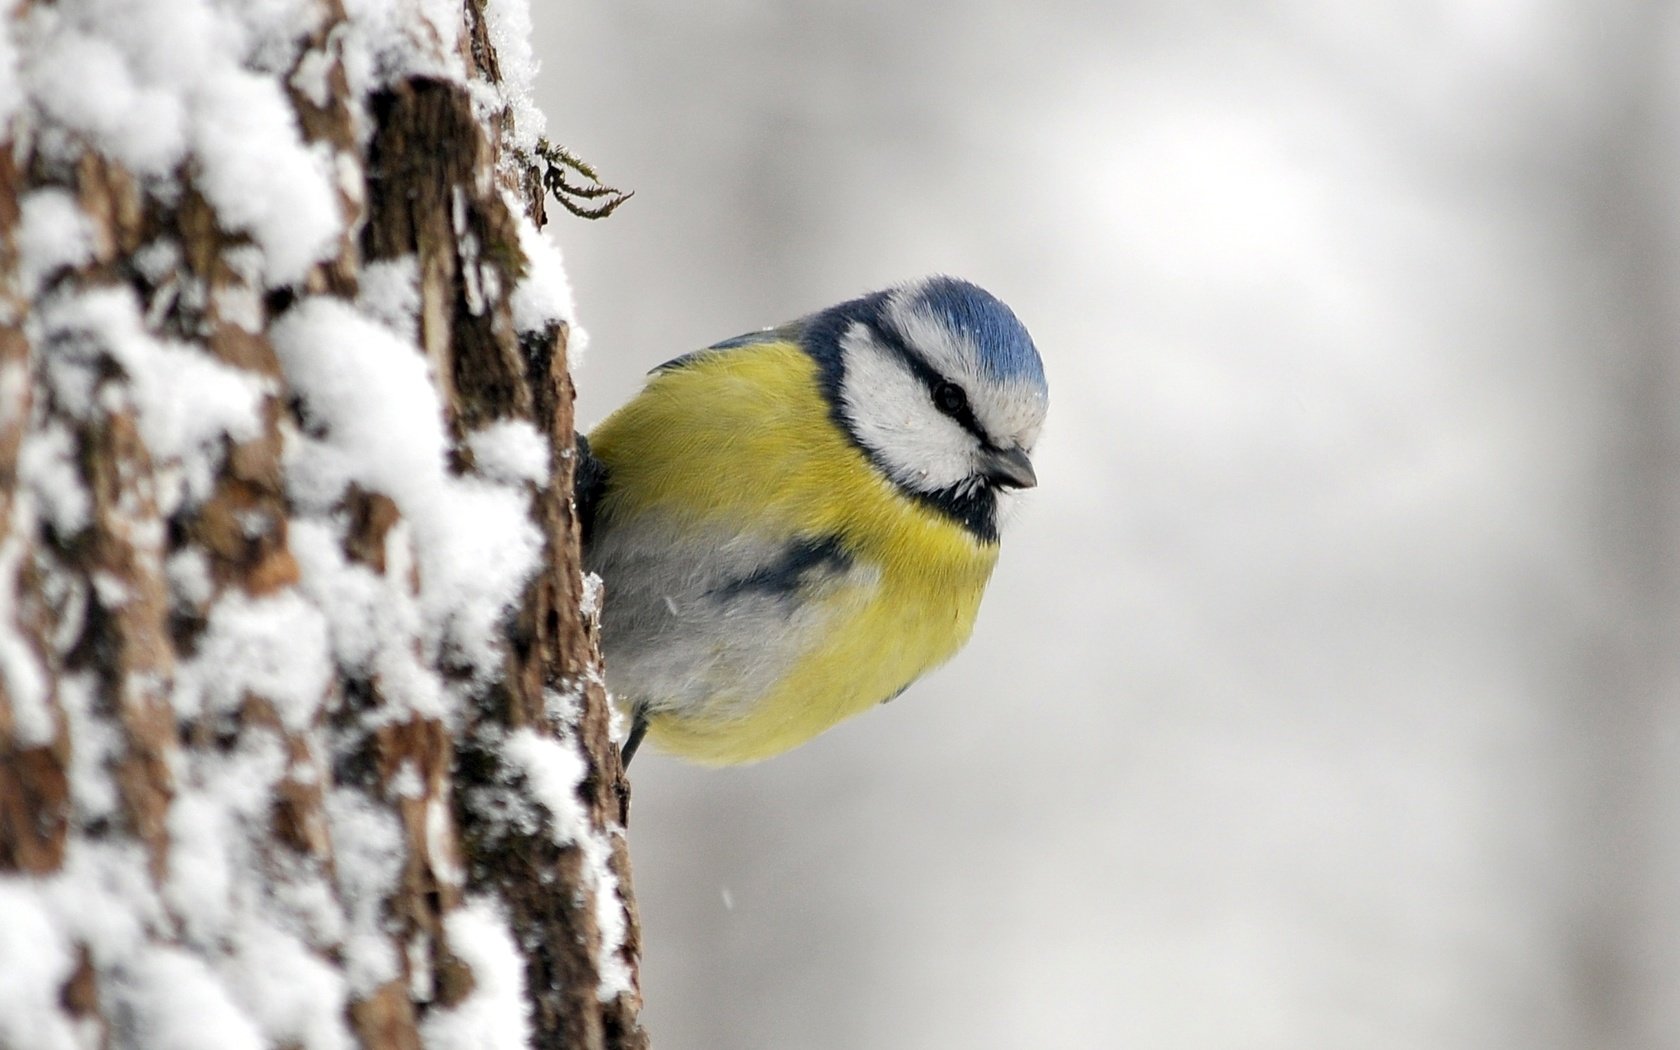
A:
(265, 779)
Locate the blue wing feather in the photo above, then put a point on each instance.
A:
(787, 333)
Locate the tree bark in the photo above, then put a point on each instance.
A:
(234, 811)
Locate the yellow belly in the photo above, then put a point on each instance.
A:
(743, 440)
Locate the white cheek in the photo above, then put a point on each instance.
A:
(893, 418)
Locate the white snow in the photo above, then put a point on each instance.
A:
(295, 997)
(185, 400)
(311, 77)
(418, 954)
(84, 82)
(274, 647)
(206, 846)
(509, 23)
(21, 674)
(543, 296)
(510, 450)
(372, 618)
(243, 979)
(407, 782)
(593, 591)
(157, 261)
(190, 583)
(96, 744)
(384, 40)
(551, 770)
(104, 898)
(496, 1014)
(11, 90)
(370, 392)
(26, 687)
(260, 919)
(175, 1000)
(443, 852)
(389, 293)
(270, 30)
(153, 84)
(53, 233)
(367, 844)
(47, 469)
(240, 305)
(35, 961)
(261, 178)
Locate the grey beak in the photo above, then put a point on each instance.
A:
(1010, 467)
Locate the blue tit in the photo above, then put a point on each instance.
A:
(794, 525)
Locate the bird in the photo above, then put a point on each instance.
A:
(794, 525)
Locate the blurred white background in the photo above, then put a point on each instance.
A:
(1327, 694)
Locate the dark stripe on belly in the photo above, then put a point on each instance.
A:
(802, 560)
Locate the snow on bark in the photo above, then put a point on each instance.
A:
(302, 736)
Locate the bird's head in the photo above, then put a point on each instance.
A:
(940, 385)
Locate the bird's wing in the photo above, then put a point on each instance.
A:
(589, 484)
(787, 333)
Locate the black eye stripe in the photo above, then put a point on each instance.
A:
(959, 408)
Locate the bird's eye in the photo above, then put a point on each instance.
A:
(949, 398)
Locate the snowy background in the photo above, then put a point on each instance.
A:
(1326, 694)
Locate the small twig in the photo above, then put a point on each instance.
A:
(571, 195)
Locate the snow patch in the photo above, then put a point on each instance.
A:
(36, 959)
(190, 583)
(261, 177)
(240, 306)
(21, 674)
(96, 744)
(185, 400)
(543, 296)
(248, 975)
(389, 293)
(510, 450)
(509, 26)
(174, 999)
(292, 994)
(372, 618)
(47, 467)
(84, 82)
(153, 85)
(551, 771)
(104, 898)
(274, 647)
(383, 41)
(368, 856)
(53, 233)
(369, 396)
(11, 87)
(442, 852)
(496, 1015)
(312, 80)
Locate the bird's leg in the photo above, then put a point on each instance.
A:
(638, 729)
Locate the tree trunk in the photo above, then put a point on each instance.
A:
(302, 736)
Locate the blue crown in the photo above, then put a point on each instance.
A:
(1006, 350)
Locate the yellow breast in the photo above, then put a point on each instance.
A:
(741, 441)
